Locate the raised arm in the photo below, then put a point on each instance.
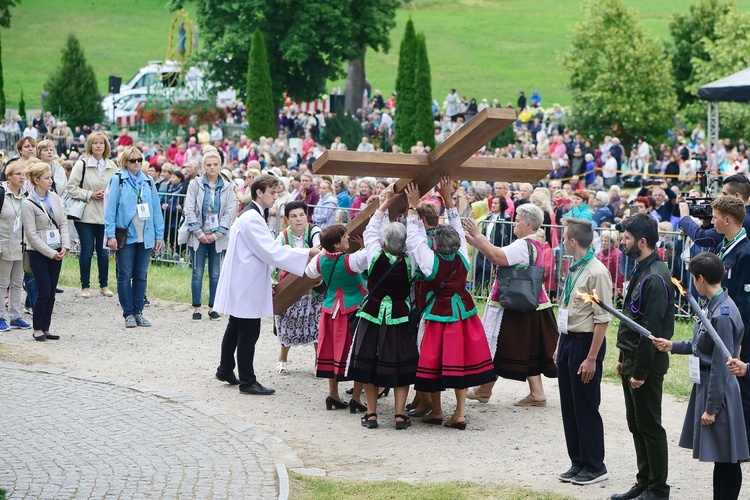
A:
(416, 237)
(475, 237)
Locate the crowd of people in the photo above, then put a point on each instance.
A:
(398, 312)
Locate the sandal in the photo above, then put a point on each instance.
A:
(454, 424)
(405, 421)
(370, 424)
(472, 394)
(530, 401)
(384, 392)
(416, 412)
(281, 368)
(430, 418)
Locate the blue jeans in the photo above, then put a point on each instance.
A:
(198, 258)
(132, 268)
(92, 239)
(31, 290)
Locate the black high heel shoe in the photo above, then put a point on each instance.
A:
(331, 403)
(384, 392)
(354, 406)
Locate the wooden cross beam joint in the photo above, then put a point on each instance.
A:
(454, 157)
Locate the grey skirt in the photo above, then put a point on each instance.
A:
(723, 441)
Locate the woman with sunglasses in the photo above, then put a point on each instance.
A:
(134, 227)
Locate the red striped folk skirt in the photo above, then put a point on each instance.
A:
(334, 343)
(454, 355)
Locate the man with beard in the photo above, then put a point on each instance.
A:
(649, 301)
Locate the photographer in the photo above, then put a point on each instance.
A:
(735, 185)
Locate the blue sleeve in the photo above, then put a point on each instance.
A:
(707, 238)
(156, 210)
(113, 201)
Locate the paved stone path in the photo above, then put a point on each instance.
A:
(68, 435)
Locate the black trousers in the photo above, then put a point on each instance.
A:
(579, 402)
(643, 411)
(241, 335)
(46, 274)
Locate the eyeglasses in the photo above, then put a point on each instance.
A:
(133, 161)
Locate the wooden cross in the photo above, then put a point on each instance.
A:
(453, 157)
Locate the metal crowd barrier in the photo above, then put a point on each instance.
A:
(671, 248)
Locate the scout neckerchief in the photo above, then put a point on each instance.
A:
(726, 246)
(579, 265)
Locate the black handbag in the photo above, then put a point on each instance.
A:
(415, 315)
(353, 318)
(519, 288)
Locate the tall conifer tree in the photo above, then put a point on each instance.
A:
(405, 103)
(73, 92)
(261, 115)
(424, 120)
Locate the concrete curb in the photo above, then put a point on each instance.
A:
(277, 449)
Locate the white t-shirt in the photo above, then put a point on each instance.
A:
(517, 252)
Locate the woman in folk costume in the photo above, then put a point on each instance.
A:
(454, 352)
(383, 352)
(522, 342)
(298, 325)
(346, 287)
(428, 215)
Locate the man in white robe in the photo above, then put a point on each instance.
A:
(244, 290)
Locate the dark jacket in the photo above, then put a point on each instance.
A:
(737, 282)
(650, 302)
(709, 237)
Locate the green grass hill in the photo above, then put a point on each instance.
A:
(484, 48)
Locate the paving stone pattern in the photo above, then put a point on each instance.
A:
(63, 436)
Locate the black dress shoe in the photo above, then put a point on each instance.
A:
(59, 290)
(256, 389)
(632, 493)
(230, 379)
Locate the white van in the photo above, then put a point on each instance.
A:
(164, 77)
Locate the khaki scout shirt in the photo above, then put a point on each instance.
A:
(583, 315)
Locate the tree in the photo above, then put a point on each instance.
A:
(375, 19)
(405, 92)
(343, 125)
(620, 82)
(5, 6)
(690, 32)
(2, 83)
(727, 53)
(424, 120)
(22, 108)
(72, 88)
(261, 119)
(307, 42)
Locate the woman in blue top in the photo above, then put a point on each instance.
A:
(210, 208)
(133, 212)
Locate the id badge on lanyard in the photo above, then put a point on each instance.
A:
(213, 222)
(694, 369)
(16, 224)
(144, 212)
(53, 237)
(562, 321)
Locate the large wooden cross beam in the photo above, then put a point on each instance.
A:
(453, 157)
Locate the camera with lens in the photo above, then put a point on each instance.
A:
(700, 207)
